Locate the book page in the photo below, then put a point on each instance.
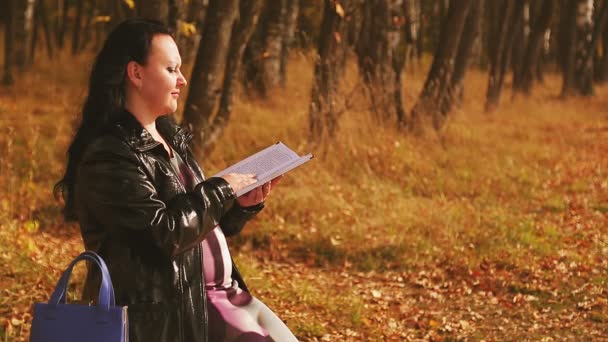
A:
(267, 165)
(263, 162)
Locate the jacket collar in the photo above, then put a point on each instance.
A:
(138, 138)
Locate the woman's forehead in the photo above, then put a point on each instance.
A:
(163, 47)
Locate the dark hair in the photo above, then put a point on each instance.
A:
(129, 41)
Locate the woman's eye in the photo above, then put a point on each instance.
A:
(171, 69)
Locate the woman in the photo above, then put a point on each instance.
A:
(143, 203)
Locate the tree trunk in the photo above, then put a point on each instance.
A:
(382, 38)
(469, 35)
(521, 37)
(22, 31)
(34, 40)
(603, 62)
(209, 68)
(534, 48)
(291, 20)
(77, 27)
(46, 28)
(500, 48)
(88, 21)
(153, 9)
(583, 74)
(412, 31)
(61, 28)
(273, 45)
(323, 114)
(598, 29)
(241, 33)
(194, 18)
(7, 78)
(439, 78)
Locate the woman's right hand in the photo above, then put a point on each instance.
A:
(239, 181)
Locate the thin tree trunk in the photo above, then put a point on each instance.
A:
(461, 63)
(291, 20)
(86, 31)
(273, 45)
(587, 64)
(440, 75)
(44, 20)
(500, 50)
(521, 31)
(7, 78)
(153, 9)
(77, 27)
(323, 114)
(241, 33)
(209, 68)
(63, 24)
(603, 63)
(534, 48)
(34, 40)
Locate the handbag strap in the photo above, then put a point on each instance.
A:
(106, 290)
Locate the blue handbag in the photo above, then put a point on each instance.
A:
(58, 321)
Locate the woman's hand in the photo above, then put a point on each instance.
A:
(259, 194)
(239, 181)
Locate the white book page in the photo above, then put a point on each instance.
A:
(267, 164)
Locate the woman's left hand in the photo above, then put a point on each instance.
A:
(259, 194)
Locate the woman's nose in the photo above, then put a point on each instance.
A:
(181, 81)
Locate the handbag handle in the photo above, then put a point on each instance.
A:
(106, 290)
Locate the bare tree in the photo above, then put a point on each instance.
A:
(7, 78)
(438, 81)
(381, 56)
(153, 9)
(225, 35)
(523, 83)
(291, 20)
(241, 33)
(331, 48)
(461, 63)
(501, 39)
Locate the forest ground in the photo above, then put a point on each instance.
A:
(494, 228)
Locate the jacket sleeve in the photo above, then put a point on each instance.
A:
(234, 220)
(113, 187)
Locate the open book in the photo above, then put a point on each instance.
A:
(267, 164)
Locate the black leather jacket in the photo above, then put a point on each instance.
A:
(134, 211)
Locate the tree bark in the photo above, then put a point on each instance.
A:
(273, 45)
(500, 49)
(323, 111)
(534, 48)
(469, 35)
(603, 61)
(241, 33)
(61, 28)
(77, 27)
(439, 77)
(587, 65)
(153, 9)
(381, 53)
(209, 68)
(291, 20)
(7, 78)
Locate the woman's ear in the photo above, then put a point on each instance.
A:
(134, 74)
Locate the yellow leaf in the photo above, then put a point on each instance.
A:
(130, 3)
(16, 322)
(187, 29)
(433, 323)
(339, 10)
(102, 19)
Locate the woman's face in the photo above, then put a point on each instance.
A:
(161, 78)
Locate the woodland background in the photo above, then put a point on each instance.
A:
(460, 188)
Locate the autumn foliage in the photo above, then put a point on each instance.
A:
(493, 228)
